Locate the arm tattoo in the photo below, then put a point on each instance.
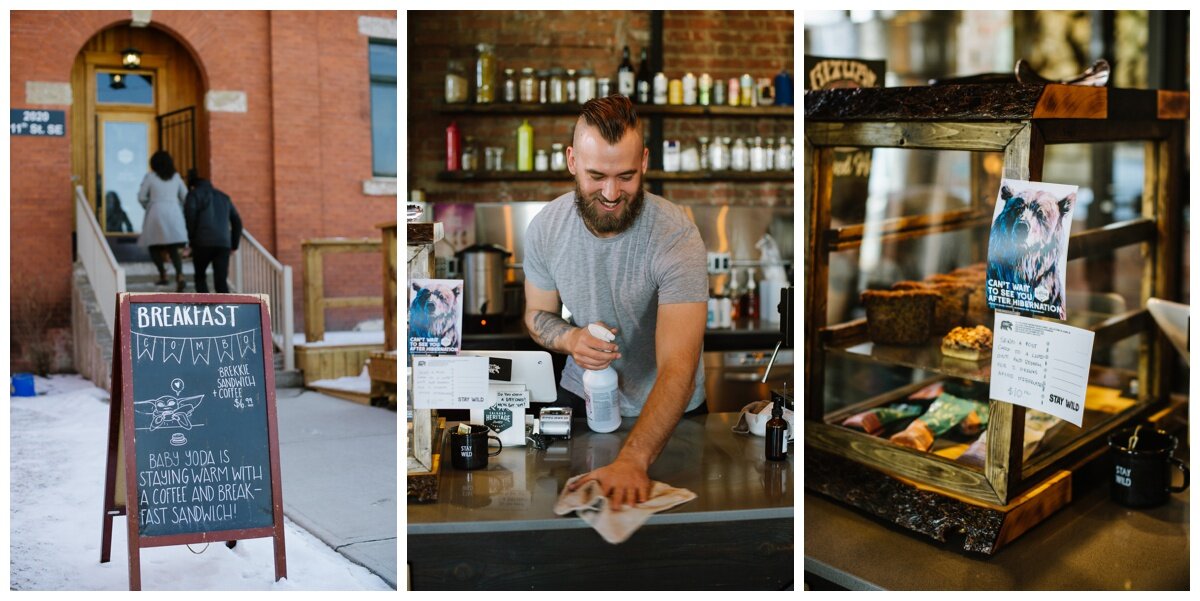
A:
(547, 328)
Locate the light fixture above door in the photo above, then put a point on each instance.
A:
(131, 58)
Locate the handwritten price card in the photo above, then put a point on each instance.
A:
(1041, 365)
(450, 382)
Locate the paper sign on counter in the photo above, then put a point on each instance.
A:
(1041, 365)
(450, 382)
(504, 413)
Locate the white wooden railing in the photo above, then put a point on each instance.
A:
(105, 275)
(255, 271)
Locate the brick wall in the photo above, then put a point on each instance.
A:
(322, 147)
(294, 162)
(723, 43)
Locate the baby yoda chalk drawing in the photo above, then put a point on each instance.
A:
(170, 411)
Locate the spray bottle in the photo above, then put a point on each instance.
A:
(600, 390)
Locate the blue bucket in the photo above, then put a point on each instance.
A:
(22, 385)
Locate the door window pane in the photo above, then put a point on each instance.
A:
(125, 88)
(126, 161)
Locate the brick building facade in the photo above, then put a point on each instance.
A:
(724, 44)
(284, 127)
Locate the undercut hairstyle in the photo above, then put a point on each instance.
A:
(613, 115)
(162, 165)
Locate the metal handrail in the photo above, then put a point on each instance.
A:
(104, 273)
(256, 271)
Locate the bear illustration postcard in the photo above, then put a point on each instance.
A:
(435, 310)
(1027, 248)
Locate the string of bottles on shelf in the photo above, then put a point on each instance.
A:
(738, 302)
(726, 154)
(561, 86)
(757, 154)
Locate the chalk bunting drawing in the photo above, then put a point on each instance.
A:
(173, 349)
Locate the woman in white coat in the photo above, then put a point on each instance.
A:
(164, 231)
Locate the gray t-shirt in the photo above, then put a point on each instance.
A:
(620, 281)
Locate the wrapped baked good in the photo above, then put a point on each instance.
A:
(970, 344)
(899, 316)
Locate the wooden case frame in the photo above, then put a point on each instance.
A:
(1018, 120)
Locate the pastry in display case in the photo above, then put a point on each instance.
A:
(900, 417)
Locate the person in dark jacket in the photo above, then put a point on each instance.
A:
(214, 230)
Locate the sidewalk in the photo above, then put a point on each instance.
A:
(338, 463)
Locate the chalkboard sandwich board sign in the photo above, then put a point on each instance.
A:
(193, 445)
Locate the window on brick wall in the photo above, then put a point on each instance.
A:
(383, 108)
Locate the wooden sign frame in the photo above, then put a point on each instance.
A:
(122, 439)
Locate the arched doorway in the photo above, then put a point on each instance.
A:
(126, 114)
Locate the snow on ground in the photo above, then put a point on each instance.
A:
(360, 383)
(341, 338)
(58, 447)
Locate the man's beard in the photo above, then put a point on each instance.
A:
(603, 222)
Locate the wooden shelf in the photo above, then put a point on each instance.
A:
(572, 109)
(849, 340)
(651, 175)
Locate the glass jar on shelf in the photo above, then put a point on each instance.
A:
(558, 85)
(529, 86)
(660, 88)
(558, 158)
(603, 87)
(670, 155)
(510, 86)
(749, 94)
(541, 162)
(587, 85)
(689, 158)
(572, 86)
(758, 160)
(716, 155)
(740, 160)
(470, 156)
(704, 162)
(770, 154)
(485, 75)
(456, 83)
(689, 88)
(543, 86)
(783, 155)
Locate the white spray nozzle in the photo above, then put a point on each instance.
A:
(600, 332)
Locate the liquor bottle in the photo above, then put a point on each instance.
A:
(645, 81)
(776, 435)
(625, 76)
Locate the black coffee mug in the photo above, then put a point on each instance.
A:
(1142, 466)
(470, 451)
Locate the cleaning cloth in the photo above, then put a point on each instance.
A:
(589, 503)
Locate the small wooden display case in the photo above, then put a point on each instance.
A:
(923, 491)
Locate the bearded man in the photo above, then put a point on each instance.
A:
(634, 263)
